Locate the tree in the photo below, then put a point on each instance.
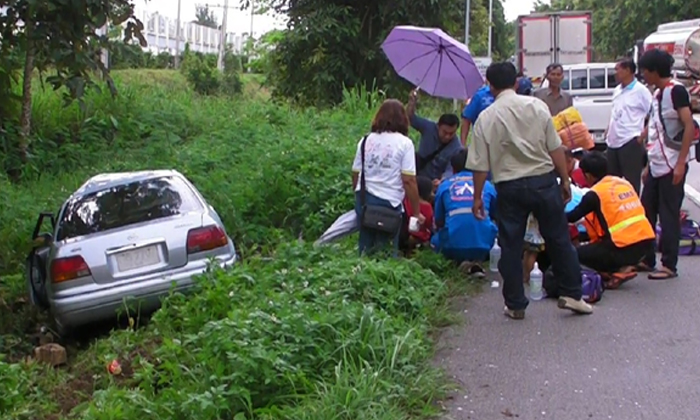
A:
(206, 17)
(331, 44)
(58, 37)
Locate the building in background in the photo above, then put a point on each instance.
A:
(160, 31)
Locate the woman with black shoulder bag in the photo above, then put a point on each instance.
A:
(384, 172)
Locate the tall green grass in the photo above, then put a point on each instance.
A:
(304, 333)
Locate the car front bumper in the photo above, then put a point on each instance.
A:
(132, 298)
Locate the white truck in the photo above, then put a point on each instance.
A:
(552, 37)
(682, 41)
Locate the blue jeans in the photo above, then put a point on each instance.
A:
(541, 196)
(371, 240)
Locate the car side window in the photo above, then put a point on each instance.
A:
(579, 79)
(597, 80)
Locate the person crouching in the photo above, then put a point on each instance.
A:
(412, 240)
(620, 234)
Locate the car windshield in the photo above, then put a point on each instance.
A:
(125, 205)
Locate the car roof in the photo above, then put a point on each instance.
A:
(108, 180)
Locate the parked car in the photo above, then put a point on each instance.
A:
(123, 238)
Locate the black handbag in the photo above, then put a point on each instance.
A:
(378, 218)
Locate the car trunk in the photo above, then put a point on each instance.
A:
(128, 254)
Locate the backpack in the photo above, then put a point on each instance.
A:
(591, 282)
(690, 237)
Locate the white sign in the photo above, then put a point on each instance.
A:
(482, 63)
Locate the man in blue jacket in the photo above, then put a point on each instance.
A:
(460, 236)
(481, 100)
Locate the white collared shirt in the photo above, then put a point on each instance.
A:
(631, 105)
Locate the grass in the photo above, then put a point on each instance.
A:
(293, 332)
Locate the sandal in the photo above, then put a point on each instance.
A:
(642, 267)
(663, 274)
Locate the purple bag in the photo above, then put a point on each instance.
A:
(690, 238)
(591, 282)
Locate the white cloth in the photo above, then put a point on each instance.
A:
(662, 159)
(387, 157)
(631, 105)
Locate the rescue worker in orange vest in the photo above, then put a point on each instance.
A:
(620, 234)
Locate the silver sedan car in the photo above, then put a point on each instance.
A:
(122, 242)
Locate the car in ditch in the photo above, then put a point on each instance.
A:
(123, 241)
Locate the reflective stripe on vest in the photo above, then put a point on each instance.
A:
(463, 210)
(627, 223)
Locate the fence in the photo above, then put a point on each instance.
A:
(161, 34)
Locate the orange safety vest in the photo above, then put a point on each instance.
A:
(623, 213)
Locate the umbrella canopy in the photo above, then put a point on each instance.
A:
(434, 61)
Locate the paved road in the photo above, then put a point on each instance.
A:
(636, 358)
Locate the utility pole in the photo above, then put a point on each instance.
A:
(466, 22)
(222, 41)
(490, 28)
(252, 14)
(178, 35)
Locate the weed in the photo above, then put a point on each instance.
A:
(303, 333)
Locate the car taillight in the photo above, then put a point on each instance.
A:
(70, 268)
(205, 239)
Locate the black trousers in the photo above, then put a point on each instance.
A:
(628, 162)
(541, 196)
(662, 201)
(605, 257)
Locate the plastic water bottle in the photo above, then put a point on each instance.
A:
(536, 283)
(494, 258)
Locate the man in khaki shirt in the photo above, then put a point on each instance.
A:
(515, 139)
(556, 99)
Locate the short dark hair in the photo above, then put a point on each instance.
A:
(391, 118)
(594, 163)
(450, 120)
(554, 66)
(502, 75)
(628, 63)
(425, 187)
(459, 161)
(657, 61)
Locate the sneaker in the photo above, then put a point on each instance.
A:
(578, 306)
(514, 313)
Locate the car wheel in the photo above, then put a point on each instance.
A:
(36, 280)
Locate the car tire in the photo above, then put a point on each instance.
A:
(36, 280)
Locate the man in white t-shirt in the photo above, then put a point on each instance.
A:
(664, 177)
(626, 132)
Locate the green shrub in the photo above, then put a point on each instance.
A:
(304, 334)
(313, 333)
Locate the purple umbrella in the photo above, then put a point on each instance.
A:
(433, 61)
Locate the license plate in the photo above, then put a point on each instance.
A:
(599, 137)
(138, 258)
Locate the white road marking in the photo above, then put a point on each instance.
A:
(692, 194)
